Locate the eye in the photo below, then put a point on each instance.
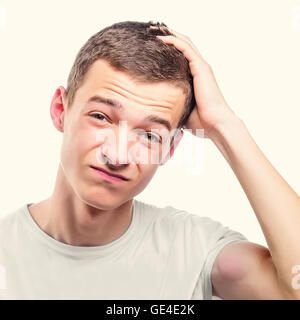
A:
(153, 137)
(97, 115)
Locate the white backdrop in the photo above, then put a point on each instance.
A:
(253, 47)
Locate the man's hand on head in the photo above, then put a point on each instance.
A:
(211, 108)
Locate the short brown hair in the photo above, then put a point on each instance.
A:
(132, 47)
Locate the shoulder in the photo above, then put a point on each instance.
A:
(9, 220)
(179, 220)
(167, 215)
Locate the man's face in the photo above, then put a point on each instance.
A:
(86, 142)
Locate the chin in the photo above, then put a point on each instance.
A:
(101, 200)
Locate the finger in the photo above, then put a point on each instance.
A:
(188, 51)
(183, 37)
(180, 35)
(195, 125)
(172, 31)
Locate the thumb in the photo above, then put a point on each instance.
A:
(193, 122)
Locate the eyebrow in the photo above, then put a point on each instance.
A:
(118, 106)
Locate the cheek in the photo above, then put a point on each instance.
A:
(76, 144)
(146, 173)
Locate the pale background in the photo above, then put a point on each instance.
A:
(253, 47)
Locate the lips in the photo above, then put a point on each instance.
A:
(109, 173)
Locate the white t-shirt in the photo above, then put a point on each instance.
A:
(165, 253)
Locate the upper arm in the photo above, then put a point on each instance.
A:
(245, 270)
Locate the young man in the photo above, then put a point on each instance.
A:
(92, 240)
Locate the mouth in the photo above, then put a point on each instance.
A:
(109, 176)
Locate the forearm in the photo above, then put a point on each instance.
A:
(276, 205)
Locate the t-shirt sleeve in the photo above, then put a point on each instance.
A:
(215, 236)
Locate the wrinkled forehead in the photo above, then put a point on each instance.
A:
(163, 96)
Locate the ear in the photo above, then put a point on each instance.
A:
(57, 108)
(173, 147)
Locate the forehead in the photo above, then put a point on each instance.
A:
(162, 97)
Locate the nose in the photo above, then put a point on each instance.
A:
(112, 164)
(113, 157)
